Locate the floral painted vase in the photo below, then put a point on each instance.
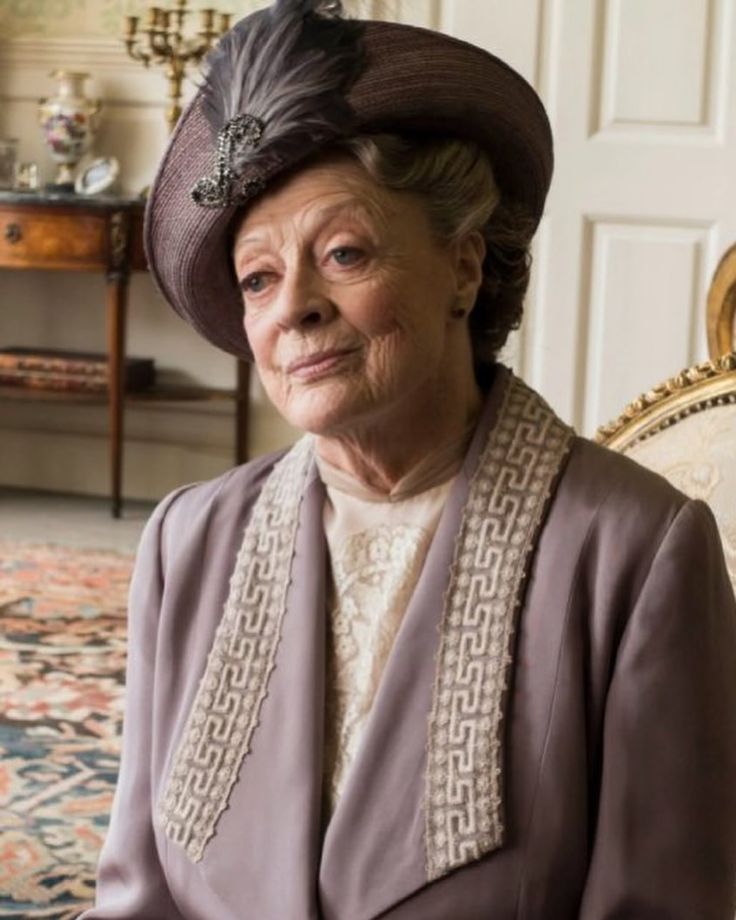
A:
(69, 122)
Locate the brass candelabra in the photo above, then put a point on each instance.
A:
(162, 41)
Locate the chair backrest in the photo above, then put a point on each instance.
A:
(685, 429)
(721, 307)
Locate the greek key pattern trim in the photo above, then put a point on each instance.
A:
(506, 503)
(226, 708)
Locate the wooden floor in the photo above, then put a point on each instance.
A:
(73, 520)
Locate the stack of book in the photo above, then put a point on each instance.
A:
(55, 369)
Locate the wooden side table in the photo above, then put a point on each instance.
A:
(104, 235)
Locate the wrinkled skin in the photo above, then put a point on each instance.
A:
(357, 317)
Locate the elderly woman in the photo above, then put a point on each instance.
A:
(443, 659)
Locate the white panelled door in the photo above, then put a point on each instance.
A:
(642, 99)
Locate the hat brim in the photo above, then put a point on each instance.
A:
(414, 81)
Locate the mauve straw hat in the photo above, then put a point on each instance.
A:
(290, 80)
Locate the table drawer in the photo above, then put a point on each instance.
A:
(65, 240)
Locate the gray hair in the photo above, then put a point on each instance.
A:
(456, 179)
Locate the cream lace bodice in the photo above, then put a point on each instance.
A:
(377, 550)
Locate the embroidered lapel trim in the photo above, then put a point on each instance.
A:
(225, 713)
(506, 502)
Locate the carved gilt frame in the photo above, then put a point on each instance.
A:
(702, 386)
(721, 306)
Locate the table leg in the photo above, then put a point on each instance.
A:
(242, 406)
(117, 291)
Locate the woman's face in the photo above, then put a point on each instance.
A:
(349, 299)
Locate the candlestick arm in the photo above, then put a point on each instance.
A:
(166, 45)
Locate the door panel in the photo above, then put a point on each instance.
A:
(641, 95)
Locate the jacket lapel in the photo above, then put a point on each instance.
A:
(424, 795)
(256, 842)
(378, 826)
(266, 849)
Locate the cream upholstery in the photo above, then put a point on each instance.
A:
(698, 455)
(685, 429)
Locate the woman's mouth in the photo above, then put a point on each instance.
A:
(319, 364)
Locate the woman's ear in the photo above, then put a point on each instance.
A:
(469, 253)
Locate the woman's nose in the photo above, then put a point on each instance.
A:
(304, 300)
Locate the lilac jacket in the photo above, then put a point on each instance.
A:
(554, 736)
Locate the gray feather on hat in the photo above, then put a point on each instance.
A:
(276, 86)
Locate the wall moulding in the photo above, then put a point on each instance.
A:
(532, 333)
(25, 66)
(414, 12)
(677, 88)
(625, 259)
(100, 53)
(164, 447)
(79, 464)
(548, 54)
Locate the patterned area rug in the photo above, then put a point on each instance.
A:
(62, 662)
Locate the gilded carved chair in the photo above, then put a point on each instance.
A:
(685, 428)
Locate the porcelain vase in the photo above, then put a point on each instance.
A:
(69, 122)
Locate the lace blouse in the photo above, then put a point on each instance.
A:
(377, 546)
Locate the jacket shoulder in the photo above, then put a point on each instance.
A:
(612, 515)
(595, 474)
(193, 509)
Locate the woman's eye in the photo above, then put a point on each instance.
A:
(346, 255)
(254, 283)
